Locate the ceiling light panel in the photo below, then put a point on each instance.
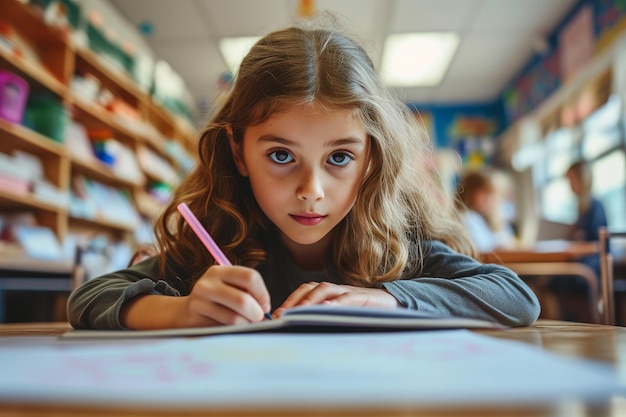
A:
(417, 59)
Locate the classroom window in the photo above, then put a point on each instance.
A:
(600, 140)
(609, 186)
(558, 202)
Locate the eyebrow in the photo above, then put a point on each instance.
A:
(335, 142)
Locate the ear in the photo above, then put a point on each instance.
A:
(235, 149)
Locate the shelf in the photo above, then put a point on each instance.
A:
(17, 136)
(50, 44)
(33, 73)
(102, 224)
(46, 214)
(95, 116)
(167, 123)
(45, 58)
(31, 22)
(119, 83)
(24, 263)
(147, 205)
(53, 155)
(9, 200)
(173, 125)
(155, 177)
(97, 170)
(117, 197)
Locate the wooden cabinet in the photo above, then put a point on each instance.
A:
(49, 64)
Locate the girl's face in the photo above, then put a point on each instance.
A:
(305, 166)
(483, 200)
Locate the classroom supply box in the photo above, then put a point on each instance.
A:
(13, 95)
(47, 115)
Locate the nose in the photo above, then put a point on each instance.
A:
(311, 187)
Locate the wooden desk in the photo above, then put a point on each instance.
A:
(603, 343)
(546, 251)
(556, 258)
(20, 273)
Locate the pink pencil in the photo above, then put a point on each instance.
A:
(206, 239)
(203, 235)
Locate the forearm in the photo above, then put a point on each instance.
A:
(96, 304)
(504, 299)
(151, 311)
(454, 284)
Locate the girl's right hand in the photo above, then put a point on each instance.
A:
(225, 295)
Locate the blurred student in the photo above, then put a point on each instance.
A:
(591, 213)
(573, 291)
(478, 204)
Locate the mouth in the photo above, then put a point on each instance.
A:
(308, 219)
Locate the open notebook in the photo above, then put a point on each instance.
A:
(317, 318)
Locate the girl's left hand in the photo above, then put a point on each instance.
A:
(334, 294)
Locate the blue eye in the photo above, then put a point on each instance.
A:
(281, 157)
(340, 159)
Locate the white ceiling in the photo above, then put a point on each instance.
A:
(497, 36)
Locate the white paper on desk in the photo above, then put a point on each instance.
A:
(285, 370)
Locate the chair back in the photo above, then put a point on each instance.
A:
(607, 268)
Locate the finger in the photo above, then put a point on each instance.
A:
(210, 314)
(322, 292)
(239, 301)
(298, 294)
(313, 293)
(331, 298)
(230, 286)
(354, 299)
(363, 297)
(250, 281)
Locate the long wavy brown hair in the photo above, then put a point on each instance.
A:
(397, 204)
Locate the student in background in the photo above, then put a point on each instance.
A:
(478, 202)
(307, 181)
(572, 291)
(591, 213)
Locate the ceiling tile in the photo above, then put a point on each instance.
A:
(431, 15)
(246, 17)
(169, 19)
(525, 17)
(496, 35)
(489, 61)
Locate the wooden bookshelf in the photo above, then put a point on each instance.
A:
(49, 64)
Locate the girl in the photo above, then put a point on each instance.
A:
(305, 181)
(477, 200)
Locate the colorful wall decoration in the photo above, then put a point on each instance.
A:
(469, 129)
(472, 129)
(596, 22)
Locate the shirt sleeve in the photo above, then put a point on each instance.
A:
(457, 285)
(96, 304)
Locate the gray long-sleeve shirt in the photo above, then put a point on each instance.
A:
(450, 284)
